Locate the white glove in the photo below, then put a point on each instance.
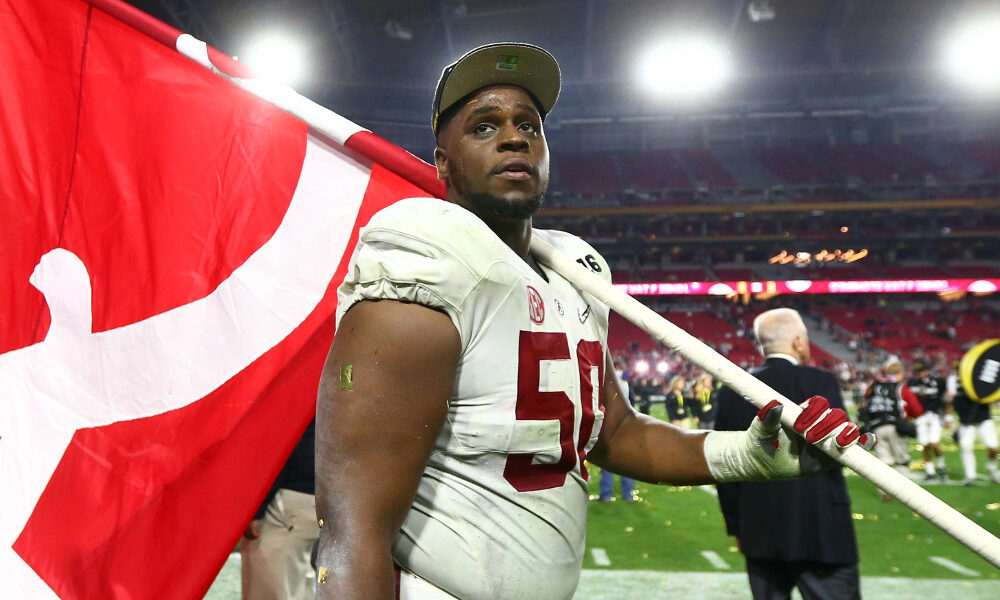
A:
(766, 451)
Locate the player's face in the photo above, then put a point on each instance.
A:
(493, 154)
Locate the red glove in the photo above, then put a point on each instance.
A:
(818, 422)
(766, 451)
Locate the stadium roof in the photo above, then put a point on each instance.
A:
(377, 62)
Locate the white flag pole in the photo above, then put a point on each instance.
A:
(954, 523)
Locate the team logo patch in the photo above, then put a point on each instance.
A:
(536, 308)
(506, 63)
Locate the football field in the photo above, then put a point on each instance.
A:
(671, 543)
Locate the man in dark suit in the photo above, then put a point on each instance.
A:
(795, 533)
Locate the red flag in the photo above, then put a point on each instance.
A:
(170, 248)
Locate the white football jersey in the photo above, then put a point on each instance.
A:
(501, 509)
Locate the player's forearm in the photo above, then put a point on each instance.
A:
(353, 564)
(648, 449)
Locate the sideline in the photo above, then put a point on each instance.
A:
(609, 584)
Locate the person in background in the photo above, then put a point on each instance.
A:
(657, 392)
(796, 533)
(887, 406)
(706, 401)
(973, 418)
(607, 484)
(930, 391)
(643, 392)
(678, 407)
(277, 545)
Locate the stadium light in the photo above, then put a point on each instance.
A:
(662, 367)
(277, 57)
(642, 367)
(684, 68)
(970, 55)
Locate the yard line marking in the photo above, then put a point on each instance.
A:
(709, 489)
(715, 559)
(954, 566)
(600, 557)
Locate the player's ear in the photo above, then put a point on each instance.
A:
(441, 162)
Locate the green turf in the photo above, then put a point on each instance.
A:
(669, 527)
(655, 544)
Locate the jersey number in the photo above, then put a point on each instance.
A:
(590, 262)
(532, 404)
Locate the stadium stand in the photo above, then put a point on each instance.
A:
(653, 170)
(587, 173)
(705, 168)
(735, 274)
(913, 272)
(985, 153)
(673, 275)
(791, 165)
(974, 271)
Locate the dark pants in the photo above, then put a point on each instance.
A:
(774, 580)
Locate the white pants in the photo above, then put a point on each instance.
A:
(928, 428)
(412, 587)
(276, 565)
(966, 440)
(892, 449)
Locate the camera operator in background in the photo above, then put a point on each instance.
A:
(887, 407)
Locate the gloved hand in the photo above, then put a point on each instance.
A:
(766, 451)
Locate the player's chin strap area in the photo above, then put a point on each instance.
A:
(760, 394)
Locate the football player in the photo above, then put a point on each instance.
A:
(468, 383)
(930, 391)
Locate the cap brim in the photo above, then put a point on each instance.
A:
(523, 65)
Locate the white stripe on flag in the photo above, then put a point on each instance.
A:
(715, 560)
(600, 557)
(954, 566)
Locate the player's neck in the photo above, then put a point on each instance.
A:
(513, 231)
(516, 233)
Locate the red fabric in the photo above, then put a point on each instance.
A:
(399, 161)
(131, 149)
(165, 34)
(912, 408)
(162, 178)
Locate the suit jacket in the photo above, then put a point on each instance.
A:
(799, 519)
(677, 405)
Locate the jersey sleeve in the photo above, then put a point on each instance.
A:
(397, 259)
(585, 255)
(912, 407)
(577, 249)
